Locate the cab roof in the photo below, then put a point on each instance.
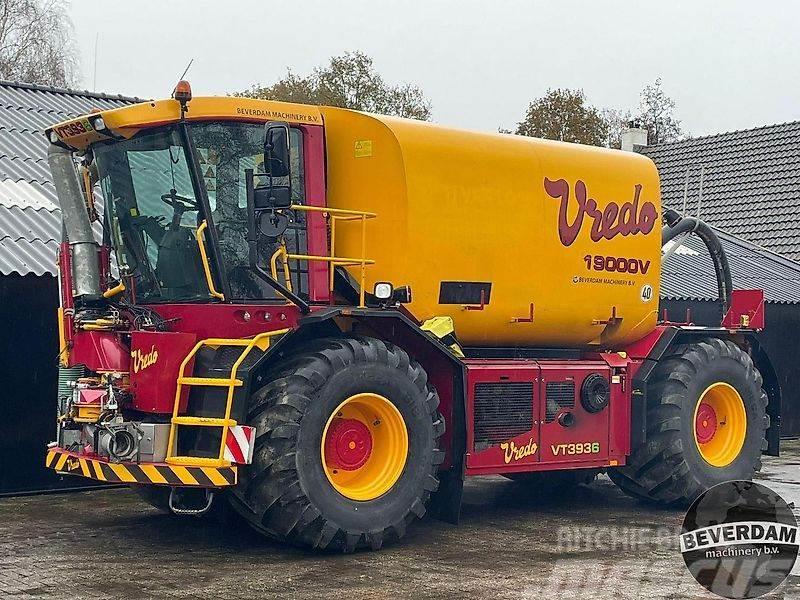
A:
(126, 121)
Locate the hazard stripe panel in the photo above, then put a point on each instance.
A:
(70, 463)
(239, 444)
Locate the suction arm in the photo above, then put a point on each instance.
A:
(677, 225)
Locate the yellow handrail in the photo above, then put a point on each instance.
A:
(117, 289)
(333, 215)
(201, 244)
(356, 214)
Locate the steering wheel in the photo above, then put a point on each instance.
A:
(179, 203)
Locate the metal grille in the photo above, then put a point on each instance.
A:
(502, 410)
(559, 395)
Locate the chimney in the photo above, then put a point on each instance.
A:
(634, 137)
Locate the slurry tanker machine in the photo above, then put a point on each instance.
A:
(329, 319)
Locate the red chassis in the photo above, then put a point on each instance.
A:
(520, 415)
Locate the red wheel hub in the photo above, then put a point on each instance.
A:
(705, 423)
(348, 444)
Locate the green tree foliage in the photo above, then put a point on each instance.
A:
(564, 114)
(347, 81)
(36, 43)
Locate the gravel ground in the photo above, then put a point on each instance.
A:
(511, 543)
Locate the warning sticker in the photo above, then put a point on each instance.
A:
(209, 159)
(363, 148)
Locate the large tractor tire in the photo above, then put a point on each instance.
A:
(346, 453)
(706, 420)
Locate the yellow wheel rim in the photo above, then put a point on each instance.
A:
(364, 447)
(720, 424)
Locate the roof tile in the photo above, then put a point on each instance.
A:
(751, 184)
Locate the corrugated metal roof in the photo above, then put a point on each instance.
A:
(751, 186)
(25, 169)
(25, 223)
(24, 194)
(28, 257)
(30, 222)
(29, 239)
(688, 274)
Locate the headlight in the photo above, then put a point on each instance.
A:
(383, 290)
(53, 136)
(98, 123)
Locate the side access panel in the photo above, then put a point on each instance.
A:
(503, 410)
(527, 415)
(586, 437)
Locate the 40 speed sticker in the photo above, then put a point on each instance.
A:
(739, 539)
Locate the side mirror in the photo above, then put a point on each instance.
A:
(276, 149)
(272, 196)
(270, 188)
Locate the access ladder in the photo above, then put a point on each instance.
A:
(261, 341)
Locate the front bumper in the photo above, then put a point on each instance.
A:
(71, 463)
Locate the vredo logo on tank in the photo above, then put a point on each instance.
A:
(633, 217)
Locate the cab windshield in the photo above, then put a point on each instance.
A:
(154, 211)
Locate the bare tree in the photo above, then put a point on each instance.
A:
(348, 81)
(617, 121)
(656, 114)
(36, 44)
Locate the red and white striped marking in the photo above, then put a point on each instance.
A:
(239, 444)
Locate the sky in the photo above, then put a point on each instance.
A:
(728, 65)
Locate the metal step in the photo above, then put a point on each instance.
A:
(210, 381)
(203, 421)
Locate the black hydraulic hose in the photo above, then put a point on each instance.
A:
(677, 225)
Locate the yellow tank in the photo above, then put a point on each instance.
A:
(563, 240)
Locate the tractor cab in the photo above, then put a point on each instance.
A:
(157, 211)
(196, 203)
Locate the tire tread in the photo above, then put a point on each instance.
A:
(271, 497)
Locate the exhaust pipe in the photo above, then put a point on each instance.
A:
(76, 226)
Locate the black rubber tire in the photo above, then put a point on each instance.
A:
(554, 481)
(668, 468)
(285, 493)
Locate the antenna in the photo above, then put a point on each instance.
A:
(94, 78)
(700, 199)
(186, 70)
(685, 192)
